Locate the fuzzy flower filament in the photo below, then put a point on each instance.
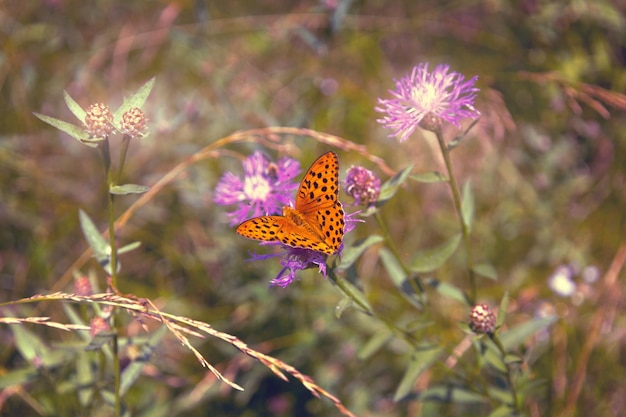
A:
(264, 189)
(427, 99)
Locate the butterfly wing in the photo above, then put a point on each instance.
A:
(316, 222)
(320, 186)
(282, 229)
(318, 201)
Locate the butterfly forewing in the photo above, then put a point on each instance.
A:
(320, 186)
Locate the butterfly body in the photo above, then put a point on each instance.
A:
(317, 220)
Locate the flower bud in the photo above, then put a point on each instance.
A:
(99, 121)
(482, 319)
(363, 185)
(134, 123)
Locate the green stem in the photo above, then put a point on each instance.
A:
(110, 181)
(456, 196)
(494, 338)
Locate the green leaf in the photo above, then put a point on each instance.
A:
(504, 306)
(451, 394)
(493, 358)
(134, 369)
(420, 361)
(353, 293)
(136, 100)
(389, 188)
(28, 344)
(85, 380)
(448, 290)
(128, 189)
(468, 207)
(352, 253)
(486, 270)
(19, 377)
(409, 285)
(343, 304)
(503, 411)
(512, 338)
(378, 340)
(99, 246)
(393, 267)
(429, 177)
(431, 259)
(33, 349)
(127, 248)
(74, 107)
(74, 131)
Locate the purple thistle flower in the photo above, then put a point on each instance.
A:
(298, 259)
(265, 188)
(427, 99)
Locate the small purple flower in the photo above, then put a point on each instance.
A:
(298, 259)
(265, 188)
(363, 185)
(427, 99)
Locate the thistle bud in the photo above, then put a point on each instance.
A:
(363, 185)
(134, 123)
(99, 121)
(482, 320)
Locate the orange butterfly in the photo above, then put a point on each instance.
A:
(316, 222)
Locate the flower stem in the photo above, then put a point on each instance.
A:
(494, 338)
(456, 196)
(106, 156)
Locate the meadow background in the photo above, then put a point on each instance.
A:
(546, 163)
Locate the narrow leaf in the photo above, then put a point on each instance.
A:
(486, 270)
(74, 107)
(503, 411)
(468, 206)
(95, 240)
(393, 267)
(127, 248)
(136, 100)
(343, 304)
(431, 259)
(128, 189)
(357, 297)
(74, 131)
(448, 290)
(429, 177)
(451, 394)
(389, 188)
(28, 344)
(352, 253)
(84, 378)
(420, 361)
(512, 338)
(504, 306)
(377, 341)
(19, 377)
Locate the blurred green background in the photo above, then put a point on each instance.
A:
(546, 162)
